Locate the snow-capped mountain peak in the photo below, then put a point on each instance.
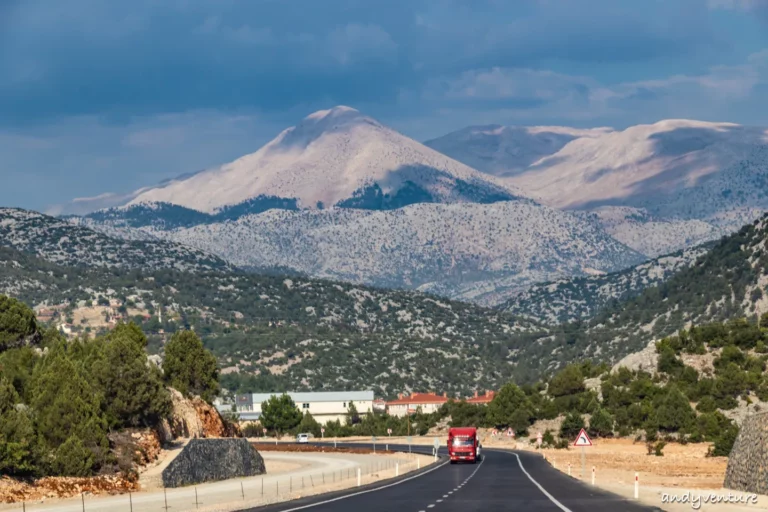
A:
(334, 157)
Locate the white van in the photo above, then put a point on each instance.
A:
(302, 438)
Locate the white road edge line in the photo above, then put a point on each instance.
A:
(366, 491)
(542, 489)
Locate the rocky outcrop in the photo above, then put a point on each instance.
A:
(194, 418)
(747, 469)
(209, 460)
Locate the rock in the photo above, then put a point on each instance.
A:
(209, 460)
(194, 418)
(748, 460)
(647, 360)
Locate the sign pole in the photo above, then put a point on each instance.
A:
(583, 464)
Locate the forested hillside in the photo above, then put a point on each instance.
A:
(275, 332)
(581, 298)
(63, 404)
(727, 282)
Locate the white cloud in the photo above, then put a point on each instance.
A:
(357, 41)
(539, 94)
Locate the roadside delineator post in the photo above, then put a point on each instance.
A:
(637, 486)
(359, 476)
(569, 469)
(418, 463)
(397, 469)
(593, 475)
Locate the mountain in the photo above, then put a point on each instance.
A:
(505, 151)
(61, 242)
(581, 298)
(274, 332)
(728, 282)
(456, 250)
(335, 157)
(340, 196)
(684, 181)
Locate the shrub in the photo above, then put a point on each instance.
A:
(572, 424)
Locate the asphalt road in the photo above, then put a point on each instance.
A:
(508, 481)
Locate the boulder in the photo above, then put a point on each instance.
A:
(210, 460)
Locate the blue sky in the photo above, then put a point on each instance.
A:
(101, 96)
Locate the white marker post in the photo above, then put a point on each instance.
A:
(569, 469)
(359, 477)
(322, 433)
(397, 469)
(593, 475)
(583, 440)
(637, 486)
(538, 439)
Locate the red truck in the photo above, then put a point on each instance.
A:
(463, 444)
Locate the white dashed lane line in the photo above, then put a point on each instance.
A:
(465, 482)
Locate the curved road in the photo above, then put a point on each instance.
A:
(503, 480)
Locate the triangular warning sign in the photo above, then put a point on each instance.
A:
(583, 439)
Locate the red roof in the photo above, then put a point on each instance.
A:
(484, 399)
(419, 398)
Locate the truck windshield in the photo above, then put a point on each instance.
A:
(459, 441)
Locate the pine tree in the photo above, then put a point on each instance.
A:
(675, 412)
(189, 367)
(569, 381)
(503, 406)
(17, 323)
(17, 435)
(571, 426)
(309, 424)
(279, 414)
(133, 390)
(601, 423)
(67, 406)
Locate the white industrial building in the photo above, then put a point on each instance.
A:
(324, 406)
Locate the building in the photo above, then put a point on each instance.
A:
(482, 399)
(379, 405)
(324, 406)
(427, 402)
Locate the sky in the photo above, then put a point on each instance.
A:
(100, 96)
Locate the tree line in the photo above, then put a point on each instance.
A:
(61, 401)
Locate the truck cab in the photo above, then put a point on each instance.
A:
(463, 445)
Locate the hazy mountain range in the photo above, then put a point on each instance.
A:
(479, 214)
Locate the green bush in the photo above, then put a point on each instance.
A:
(571, 426)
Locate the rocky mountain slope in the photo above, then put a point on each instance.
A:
(581, 298)
(727, 282)
(336, 157)
(505, 151)
(61, 242)
(276, 332)
(684, 181)
(456, 250)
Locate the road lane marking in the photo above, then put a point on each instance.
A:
(431, 506)
(542, 489)
(366, 491)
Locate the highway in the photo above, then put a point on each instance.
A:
(502, 481)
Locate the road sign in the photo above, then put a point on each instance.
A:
(437, 443)
(510, 433)
(389, 431)
(410, 439)
(538, 439)
(265, 431)
(583, 439)
(322, 431)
